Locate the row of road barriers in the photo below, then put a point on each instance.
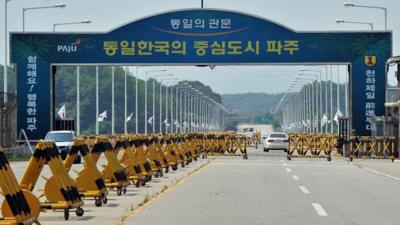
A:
(130, 160)
(322, 146)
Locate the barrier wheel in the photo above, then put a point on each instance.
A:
(105, 200)
(166, 169)
(98, 202)
(195, 158)
(183, 165)
(156, 174)
(66, 214)
(161, 174)
(119, 191)
(124, 190)
(137, 184)
(150, 177)
(79, 211)
(174, 167)
(143, 182)
(329, 158)
(351, 159)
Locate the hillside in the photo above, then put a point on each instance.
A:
(249, 104)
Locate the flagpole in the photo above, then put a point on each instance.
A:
(176, 109)
(126, 104)
(97, 100)
(161, 107)
(154, 107)
(337, 94)
(145, 105)
(78, 110)
(166, 108)
(331, 97)
(171, 109)
(136, 102)
(181, 109)
(112, 101)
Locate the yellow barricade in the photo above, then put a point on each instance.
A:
(377, 147)
(60, 190)
(89, 180)
(19, 206)
(115, 176)
(310, 145)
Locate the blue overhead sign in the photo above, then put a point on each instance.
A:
(198, 37)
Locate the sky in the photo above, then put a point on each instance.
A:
(304, 15)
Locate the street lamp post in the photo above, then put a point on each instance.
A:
(160, 119)
(310, 99)
(71, 23)
(145, 97)
(326, 93)
(60, 5)
(318, 103)
(370, 24)
(154, 99)
(349, 4)
(5, 78)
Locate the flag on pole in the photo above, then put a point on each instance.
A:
(102, 116)
(176, 123)
(324, 120)
(166, 123)
(61, 112)
(185, 124)
(150, 121)
(129, 118)
(337, 116)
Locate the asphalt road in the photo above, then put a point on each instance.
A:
(268, 189)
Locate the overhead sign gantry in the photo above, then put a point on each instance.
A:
(198, 37)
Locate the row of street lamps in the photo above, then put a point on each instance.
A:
(194, 111)
(302, 104)
(349, 4)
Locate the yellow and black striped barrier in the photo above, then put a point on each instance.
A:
(377, 147)
(114, 174)
(60, 190)
(20, 206)
(89, 180)
(311, 145)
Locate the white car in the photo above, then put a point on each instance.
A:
(276, 141)
(63, 140)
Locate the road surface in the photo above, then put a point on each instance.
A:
(268, 189)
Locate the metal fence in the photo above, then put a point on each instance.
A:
(8, 115)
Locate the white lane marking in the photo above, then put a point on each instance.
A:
(257, 163)
(281, 160)
(304, 190)
(383, 174)
(319, 209)
(284, 164)
(289, 170)
(295, 177)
